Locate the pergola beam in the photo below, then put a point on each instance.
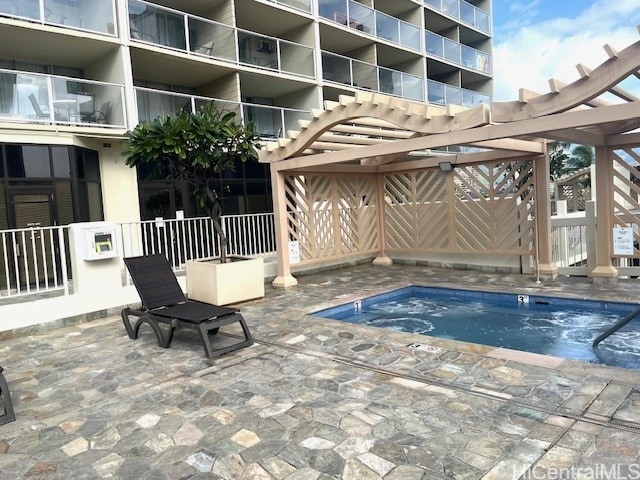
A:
(591, 85)
(530, 127)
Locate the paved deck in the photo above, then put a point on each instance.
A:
(318, 399)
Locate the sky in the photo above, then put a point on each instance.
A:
(536, 40)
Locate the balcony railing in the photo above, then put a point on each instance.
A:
(187, 33)
(90, 15)
(50, 99)
(443, 94)
(358, 74)
(275, 54)
(304, 5)
(367, 20)
(463, 11)
(268, 121)
(454, 52)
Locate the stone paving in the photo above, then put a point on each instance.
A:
(318, 399)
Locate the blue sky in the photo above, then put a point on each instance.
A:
(535, 40)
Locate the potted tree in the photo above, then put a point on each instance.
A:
(194, 147)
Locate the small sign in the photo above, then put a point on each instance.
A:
(357, 306)
(623, 241)
(523, 300)
(294, 251)
(159, 222)
(179, 214)
(425, 348)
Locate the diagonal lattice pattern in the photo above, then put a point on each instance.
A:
(476, 209)
(331, 216)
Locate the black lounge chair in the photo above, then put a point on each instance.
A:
(163, 301)
(8, 415)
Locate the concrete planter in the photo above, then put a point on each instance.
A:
(221, 284)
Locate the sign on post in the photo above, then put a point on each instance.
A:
(623, 241)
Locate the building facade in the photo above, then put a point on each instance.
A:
(75, 75)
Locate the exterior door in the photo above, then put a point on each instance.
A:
(32, 208)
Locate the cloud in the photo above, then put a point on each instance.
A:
(529, 55)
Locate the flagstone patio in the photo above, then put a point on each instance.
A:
(317, 398)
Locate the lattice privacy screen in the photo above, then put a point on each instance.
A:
(626, 192)
(485, 208)
(332, 216)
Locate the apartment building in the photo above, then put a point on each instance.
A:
(75, 75)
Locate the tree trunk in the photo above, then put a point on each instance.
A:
(215, 211)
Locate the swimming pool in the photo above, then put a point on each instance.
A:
(534, 323)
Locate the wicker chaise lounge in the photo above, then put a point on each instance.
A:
(163, 301)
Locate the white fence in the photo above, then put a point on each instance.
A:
(573, 237)
(36, 260)
(33, 260)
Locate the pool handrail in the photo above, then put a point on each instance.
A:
(616, 327)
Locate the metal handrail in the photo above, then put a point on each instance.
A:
(616, 327)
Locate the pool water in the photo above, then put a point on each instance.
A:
(539, 324)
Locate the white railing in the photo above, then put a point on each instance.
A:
(33, 260)
(181, 240)
(573, 240)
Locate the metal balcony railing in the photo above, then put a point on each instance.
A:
(367, 20)
(463, 11)
(358, 74)
(442, 94)
(454, 52)
(96, 16)
(180, 31)
(56, 100)
(268, 121)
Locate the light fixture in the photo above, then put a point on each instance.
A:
(445, 166)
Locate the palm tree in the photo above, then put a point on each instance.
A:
(581, 157)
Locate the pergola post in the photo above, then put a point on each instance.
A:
(604, 272)
(382, 258)
(541, 175)
(284, 278)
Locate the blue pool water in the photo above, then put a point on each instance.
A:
(547, 325)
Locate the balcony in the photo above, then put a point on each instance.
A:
(457, 53)
(268, 121)
(194, 35)
(367, 20)
(463, 11)
(362, 75)
(304, 5)
(54, 100)
(443, 94)
(275, 54)
(96, 16)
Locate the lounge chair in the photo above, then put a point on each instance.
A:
(8, 415)
(163, 301)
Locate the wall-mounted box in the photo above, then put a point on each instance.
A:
(95, 260)
(99, 241)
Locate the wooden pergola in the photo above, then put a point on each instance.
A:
(371, 168)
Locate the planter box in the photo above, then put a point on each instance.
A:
(221, 284)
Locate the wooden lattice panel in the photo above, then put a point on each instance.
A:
(416, 211)
(475, 209)
(332, 216)
(626, 192)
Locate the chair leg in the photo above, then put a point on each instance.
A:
(164, 339)
(205, 328)
(8, 415)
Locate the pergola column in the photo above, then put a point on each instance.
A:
(541, 174)
(604, 272)
(284, 278)
(382, 258)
